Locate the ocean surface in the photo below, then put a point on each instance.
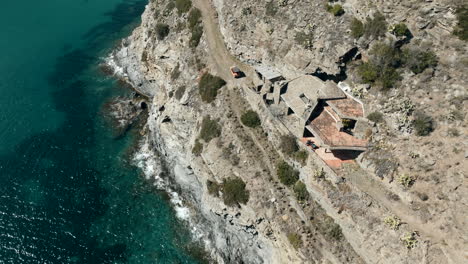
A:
(68, 193)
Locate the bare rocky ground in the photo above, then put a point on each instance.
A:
(241, 32)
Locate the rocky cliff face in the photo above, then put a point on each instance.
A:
(343, 220)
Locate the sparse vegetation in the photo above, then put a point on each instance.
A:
(213, 188)
(162, 30)
(336, 10)
(461, 29)
(197, 148)
(406, 180)
(183, 6)
(393, 222)
(400, 30)
(301, 156)
(410, 240)
(250, 119)
(295, 240)
(333, 230)
(418, 60)
(180, 92)
(319, 173)
(423, 124)
(210, 129)
(271, 8)
(288, 144)
(175, 73)
(287, 174)
(306, 40)
(234, 191)
(376, 117)
(197, 32)
(194, 17)
(375, 27)
(453, 132)
(300, 190)
(208, 87)
(357, 28)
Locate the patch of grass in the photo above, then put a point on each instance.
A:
(208, 87)
(288, 144)
(423, 124)
(180, 92)
(461, 29)
(295, 240)
(376, 117)
(234, 191)
(336, 10)
(271, 8)
(306, 40)
(213, 188)
(251, 119)
(287, 174)
(162, 30)
(197, 148)
(183, 6)
(357, 28)
(375, 27)
(418, 60)
(195, 38)
(400, 30)
(300, 190)
(194, 17)
(210, 129)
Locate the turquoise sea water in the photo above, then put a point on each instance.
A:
(67, 191)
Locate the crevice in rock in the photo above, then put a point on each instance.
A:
(352, 54)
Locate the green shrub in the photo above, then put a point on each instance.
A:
(287, 174)
(234, 191)
(295, 240)
(197, 148)
(301, 156)
(357, 28)
(368, 72)
(393, 222)
(461, 29)
(213, 188)
(300, 190)
(288, 144)
(388, 78)
(162, 30)
(334, 230)
(183, 6)
(375, 27)
(306, 40)
(410, 240)
(401, 30)
(336, 10)
(194, 17)
(169, 7)
(208, 87)
(197, 33)
(250, 119)
(210, 129)
(376, 117)
(180, 92)
(423, 124)
(175, 72)
(406, 180)
(271, 8)
(418, 60)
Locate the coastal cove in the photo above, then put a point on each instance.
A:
(69, 192)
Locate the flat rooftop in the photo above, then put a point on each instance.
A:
(268, 72)
(347, 108)
(324, 126)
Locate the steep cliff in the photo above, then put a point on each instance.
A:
(344, 220)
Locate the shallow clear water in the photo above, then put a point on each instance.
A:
(67, 192)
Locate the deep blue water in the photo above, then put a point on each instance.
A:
(67, 191)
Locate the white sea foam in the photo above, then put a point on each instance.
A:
(111, 62)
